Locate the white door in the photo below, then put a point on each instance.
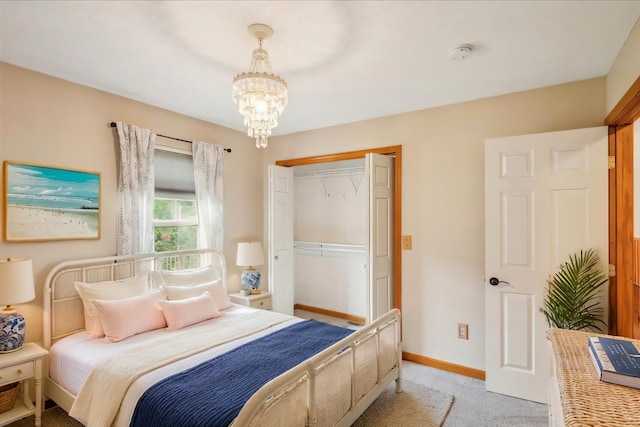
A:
(280, 237)
(546, 196)
(379, 170)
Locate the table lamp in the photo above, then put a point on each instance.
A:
(250, 255)
(16, 287)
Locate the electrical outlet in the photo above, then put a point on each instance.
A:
(406, 242)
(463, 331)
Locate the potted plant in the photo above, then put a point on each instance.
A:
(572, 294)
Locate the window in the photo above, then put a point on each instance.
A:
(175, 210)
(175, 224)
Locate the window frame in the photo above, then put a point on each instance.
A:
(182, 148)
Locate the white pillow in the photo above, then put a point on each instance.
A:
(193, 276)
(215, 289)
(189, 311)
(127, 317)
(108, 290)
(155, 277)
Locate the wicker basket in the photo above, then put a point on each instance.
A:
(8, 395)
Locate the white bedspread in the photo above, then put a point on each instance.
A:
(112, 376)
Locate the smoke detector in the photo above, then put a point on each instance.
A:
(460, 53)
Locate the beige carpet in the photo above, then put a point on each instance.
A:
(417, 405)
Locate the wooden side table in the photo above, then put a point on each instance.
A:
(261, 300)
(22, 365)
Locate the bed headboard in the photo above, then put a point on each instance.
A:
(63, 310)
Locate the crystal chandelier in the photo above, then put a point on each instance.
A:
(259, 94)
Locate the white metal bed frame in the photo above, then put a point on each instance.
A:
(370, 358)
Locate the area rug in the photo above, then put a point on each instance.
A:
(417, 405)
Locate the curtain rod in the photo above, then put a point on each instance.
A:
(228, 150)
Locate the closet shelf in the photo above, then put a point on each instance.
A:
(312, 247)
(328, 172)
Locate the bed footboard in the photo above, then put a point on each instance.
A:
(334, 387)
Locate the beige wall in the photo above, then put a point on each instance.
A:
(49, 121)
(625, 69)
(443, 198)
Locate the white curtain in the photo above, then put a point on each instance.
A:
(134, 227)
(208, 167)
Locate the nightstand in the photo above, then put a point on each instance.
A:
(261, 300)
(21, 365)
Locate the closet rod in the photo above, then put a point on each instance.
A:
(314, 173)
(322, 250)
(332, 247)
(228, 150)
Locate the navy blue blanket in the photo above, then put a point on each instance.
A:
(213, 393)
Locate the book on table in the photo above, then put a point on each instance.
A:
(616, 360)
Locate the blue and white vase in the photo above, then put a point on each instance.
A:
(250, 280)
(12, 329)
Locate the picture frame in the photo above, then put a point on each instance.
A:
(44, 203)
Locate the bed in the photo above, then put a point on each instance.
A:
(328, 378)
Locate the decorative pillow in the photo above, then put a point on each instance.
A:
(215, 289)
(155, 279)
(189, 311)
(109, 290)
(126, 317)
(193, 276)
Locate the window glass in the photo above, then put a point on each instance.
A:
(175, 211)
(175, 224)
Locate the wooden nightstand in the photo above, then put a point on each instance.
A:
(21, 365)
(261, 300)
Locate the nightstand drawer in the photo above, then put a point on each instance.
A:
(17, 372)
(263, 303)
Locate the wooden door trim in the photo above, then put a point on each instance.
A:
(622, 293)
(627, 110)
(396, 151)
(623, 297)
(613, 238)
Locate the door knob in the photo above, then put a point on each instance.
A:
(494, 281)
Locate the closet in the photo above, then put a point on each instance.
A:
(331, 237)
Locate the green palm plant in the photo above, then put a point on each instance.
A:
(572, 294)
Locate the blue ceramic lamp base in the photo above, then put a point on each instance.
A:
(12, 329)
(250, 280)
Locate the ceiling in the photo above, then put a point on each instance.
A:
(344, 61)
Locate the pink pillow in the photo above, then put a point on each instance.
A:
(109, 290)
(126, 317)
(214, 288)
(189, 311)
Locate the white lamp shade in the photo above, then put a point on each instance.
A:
(249, 254)
(16, 281)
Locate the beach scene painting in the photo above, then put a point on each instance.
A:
(50, 203)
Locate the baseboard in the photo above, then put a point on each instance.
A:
(349, 317)
(445, 366)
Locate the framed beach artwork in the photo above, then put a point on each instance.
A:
(50, 203)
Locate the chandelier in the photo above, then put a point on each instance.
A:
(259, 94)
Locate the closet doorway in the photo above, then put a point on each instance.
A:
(344, 257)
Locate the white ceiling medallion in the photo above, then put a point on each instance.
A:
(460, 53)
